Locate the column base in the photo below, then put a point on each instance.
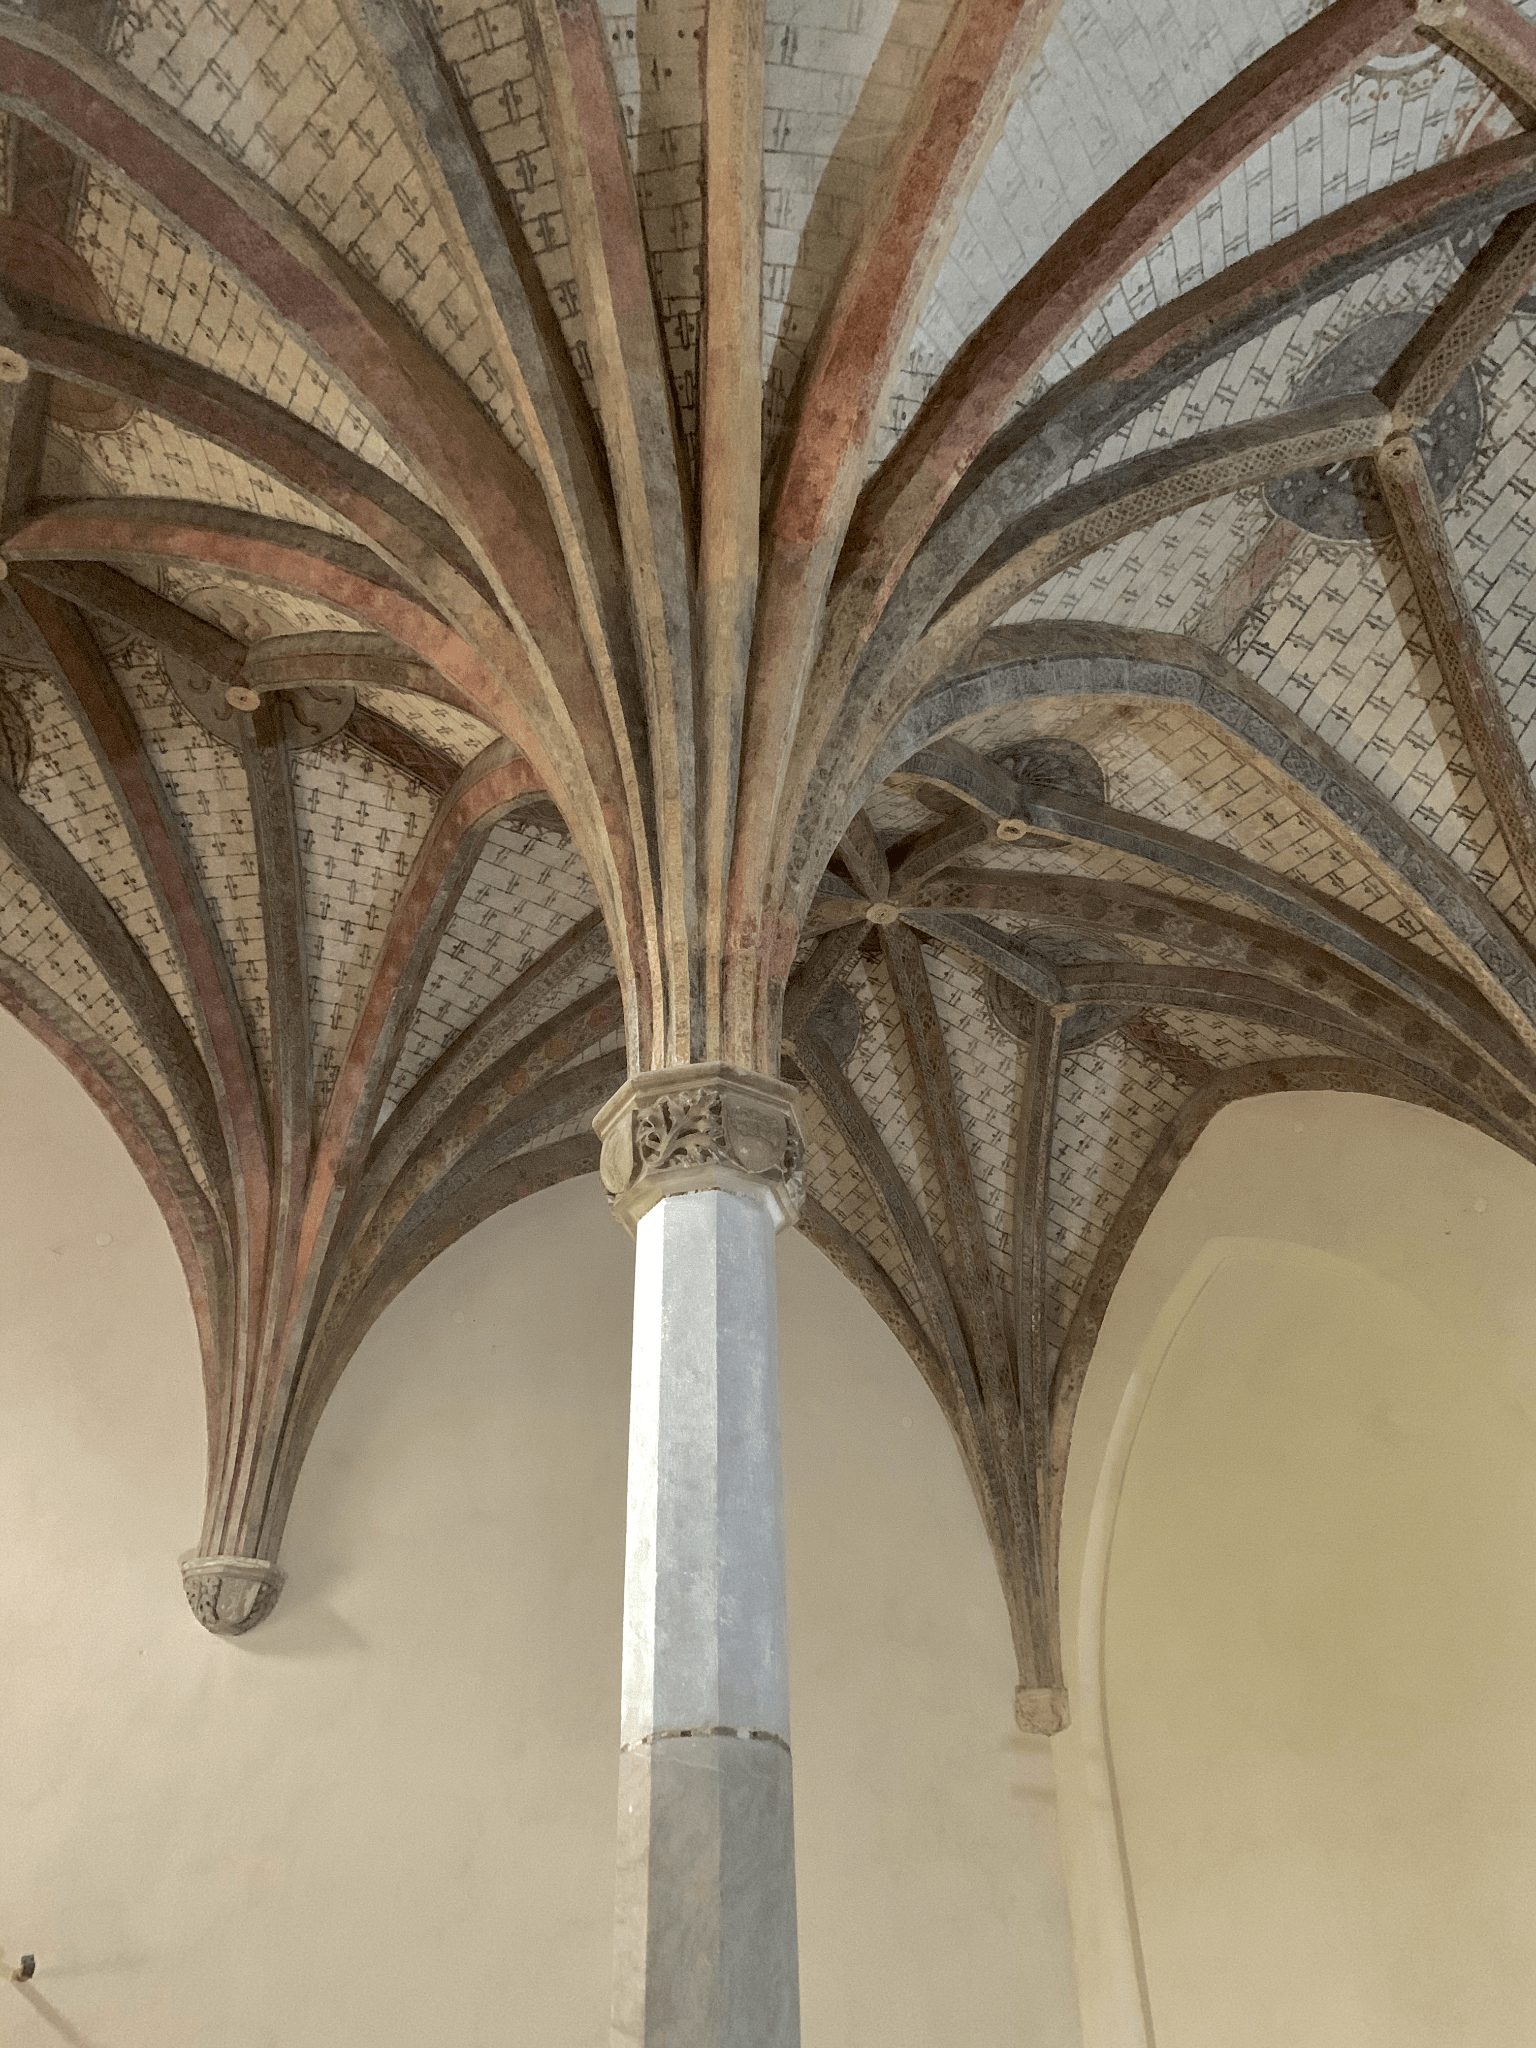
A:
(705, 1950)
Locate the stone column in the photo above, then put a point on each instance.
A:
(705, 1165)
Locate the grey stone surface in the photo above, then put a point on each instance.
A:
(704, 1629)
(705, 1932)
(705, 1945)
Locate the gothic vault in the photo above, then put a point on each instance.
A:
(971, 558)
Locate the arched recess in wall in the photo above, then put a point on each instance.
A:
(387, 1814)
(1298, 1627)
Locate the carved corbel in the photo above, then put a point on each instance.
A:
(230, 1595)
(312, 680)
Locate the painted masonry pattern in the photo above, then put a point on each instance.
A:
(526, 893)
(488, 50)
(31, 933)
(1172, 767)
(68, 792)
(1220, 915)
(359, 830)
(1381, 125)
(284, 91)
(246, 608)
(162, 288)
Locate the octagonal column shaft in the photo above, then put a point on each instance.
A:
(705, 1940)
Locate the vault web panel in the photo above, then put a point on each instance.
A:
(1107, 88)
(163, 289)
(360, 825)
(1106, 864)
(1369, 132)
(441, 725)
(1112, 1105)
(893, 813)
(527, 890)
(66, 789)
(1171, 766)
(243, 607)
(837, 1181)
(153, 458)
(31, 931)
(986, 1068)
(839, 78)
(487, 50)
(1339, 639)
(1162, 578)
(284, 91)
(882, 1076)
(1492, 524)
(1265, 373)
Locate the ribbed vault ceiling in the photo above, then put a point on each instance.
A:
(1028, 573)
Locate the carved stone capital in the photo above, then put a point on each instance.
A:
(1041, 1709)
(686, 1129)
(230, 1594)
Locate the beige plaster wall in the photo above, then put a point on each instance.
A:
(1319, 1617)
(386, 1817)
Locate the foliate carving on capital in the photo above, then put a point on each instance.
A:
(680, 1131)
(707, 1126)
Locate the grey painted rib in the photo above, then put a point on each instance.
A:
(50, 866)
(1038, 448)
(54, 343)
(1020, 664)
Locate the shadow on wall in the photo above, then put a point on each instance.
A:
(51, 2018)
(1296, 1569)
(387, 1815)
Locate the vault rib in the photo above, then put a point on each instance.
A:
(1044, 659)
(971, 399)
(561, 435)
(276, 1396)
(905, 225)
(864, 643)
(109, 724)
(1040, 1057)
(1493, 34)
(486, 1040)
(646, 461)
(1481, 712)
(66, 886)
(547, 699)
(730, 440)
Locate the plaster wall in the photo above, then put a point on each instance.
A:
(387, 1816)
(1299, 1795)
